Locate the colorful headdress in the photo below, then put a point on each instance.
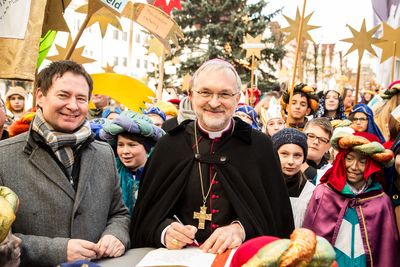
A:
(393, 89)
(307, 90)
(372, 126)
(9, 204)
(168, 108)
(340, 123)
(157, 111)
(134, 123)
(250, 111)
(303, 249)
(108, 110)
(346, 140)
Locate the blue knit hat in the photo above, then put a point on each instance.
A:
(290, 136)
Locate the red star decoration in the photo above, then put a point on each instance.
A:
(167, 7)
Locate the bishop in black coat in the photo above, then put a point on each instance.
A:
(248, 185)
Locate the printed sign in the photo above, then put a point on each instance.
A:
(14, 15)
(117, 5)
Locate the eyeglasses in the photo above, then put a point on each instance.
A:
(209, 95)
(359, 119)
(312, 137)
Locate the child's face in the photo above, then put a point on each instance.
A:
(355, 166)
(291, 157)
(274, 126)
(317, 141)
(360, 122)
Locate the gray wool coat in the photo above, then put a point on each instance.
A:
(51, 212)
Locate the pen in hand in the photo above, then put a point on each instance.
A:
(179, 221)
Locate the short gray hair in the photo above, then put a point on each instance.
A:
(215, 65)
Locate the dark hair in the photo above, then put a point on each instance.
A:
(57, 69)
(302, 94)
(321, 122)
(146, 142)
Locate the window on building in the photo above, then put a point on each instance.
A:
(137, 38)
(115, 61)
(124, 36)
(115, 35)
(137, 63)
(124, 62)
(146, 64)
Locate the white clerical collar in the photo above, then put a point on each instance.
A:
(213, 135)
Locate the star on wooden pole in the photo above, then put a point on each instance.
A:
(362, 40)
(104, 16)
(253, 47)
(294, 27)
(109, 68)
(392, 36)
(76, 55)
(54, 16)
(391, 48)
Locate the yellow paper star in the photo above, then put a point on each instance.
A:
(54, 17)
(294, 26)
(76, 55)
(156, 47)
(109, 68)
(255, 46)
(127, 90)
(186, 82)
(391, 35)
(103, 16)
(362, 40)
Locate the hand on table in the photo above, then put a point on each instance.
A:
(178, 235)
(79, 249)
(230, 236)
(110, 246)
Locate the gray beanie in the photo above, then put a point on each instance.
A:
(290, 136)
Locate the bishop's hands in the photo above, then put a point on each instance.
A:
(179, 236)
(223, 238)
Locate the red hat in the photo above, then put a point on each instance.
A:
(249, 248)
(174, 101)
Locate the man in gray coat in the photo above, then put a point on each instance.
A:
(70, 198)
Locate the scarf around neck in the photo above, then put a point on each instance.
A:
(62, 144)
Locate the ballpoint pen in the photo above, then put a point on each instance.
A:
(179, 221)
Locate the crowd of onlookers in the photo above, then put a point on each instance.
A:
(338, 156)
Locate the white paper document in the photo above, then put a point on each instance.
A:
(191, 257)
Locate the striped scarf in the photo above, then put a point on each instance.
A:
(61, 143)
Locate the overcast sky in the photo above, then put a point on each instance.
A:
(332, 16)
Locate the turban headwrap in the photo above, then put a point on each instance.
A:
(345, 140)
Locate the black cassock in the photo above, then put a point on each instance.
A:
(248, 185)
